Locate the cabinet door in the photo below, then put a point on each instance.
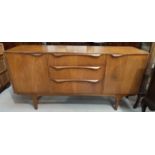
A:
(28, 72)
(124, 73)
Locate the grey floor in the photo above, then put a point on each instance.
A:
(10, 102)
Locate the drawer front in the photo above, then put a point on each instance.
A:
(2, 64)
(76, 87)
(76, 72)
(76, 60)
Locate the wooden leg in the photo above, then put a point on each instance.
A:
(35, 101)
(137, 101)
(117, 101)
(144, 106)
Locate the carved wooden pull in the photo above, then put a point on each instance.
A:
(74, 80)
(77, 54)
(95, 55)
(116, 55)
(36, 54)
(3, 71)
(76, 67)
(58, 54)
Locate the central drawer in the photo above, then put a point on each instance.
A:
(76, 72)
(76, 87)
(76, 60)
(76, 79)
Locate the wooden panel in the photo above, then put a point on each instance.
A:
(29, 73)
(76, 87)
(76, 72)
(124, 74)
(76, 60)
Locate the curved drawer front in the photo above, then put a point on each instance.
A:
(76, 60)
(68, 86)
(76, 72)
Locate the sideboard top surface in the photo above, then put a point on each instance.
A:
(75, 49)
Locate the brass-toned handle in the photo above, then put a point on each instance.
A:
(77, 54)
(36, 54)
(116, 55)
(76, 67)
(74, 80)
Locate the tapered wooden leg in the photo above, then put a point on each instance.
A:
(144, 106)
(117, 101)
(137, 101)
(35, 101)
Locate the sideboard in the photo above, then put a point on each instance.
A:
(39, 70)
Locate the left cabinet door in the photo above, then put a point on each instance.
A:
(28, 72)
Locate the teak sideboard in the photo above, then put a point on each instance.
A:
(39, 70)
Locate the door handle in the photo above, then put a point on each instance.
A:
(95, 55)
(3, 71)
(36, 54)
(116, 55)
(76, 67)
(74, 80)
(77, 54)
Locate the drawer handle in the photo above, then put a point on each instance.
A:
(74, 80)
(116, 55)
(3, 71)
(36, 54)
(76, 67)
(94, 55)
(77, 54)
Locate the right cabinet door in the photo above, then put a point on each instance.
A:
(124, 73)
